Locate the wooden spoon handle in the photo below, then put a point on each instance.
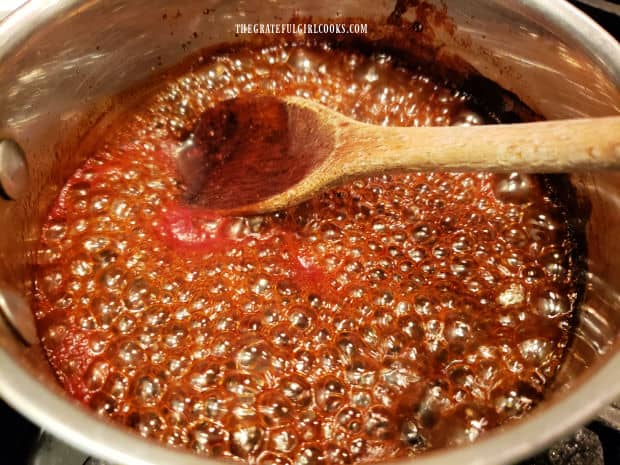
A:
(540, 147)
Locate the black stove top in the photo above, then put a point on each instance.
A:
(596, 444)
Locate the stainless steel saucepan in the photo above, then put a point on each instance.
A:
(61, 61)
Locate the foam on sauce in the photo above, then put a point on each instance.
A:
(384, 318)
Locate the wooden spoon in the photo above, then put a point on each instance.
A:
(259, 154)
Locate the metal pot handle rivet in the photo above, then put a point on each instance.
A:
(17, 313)
(14, 176)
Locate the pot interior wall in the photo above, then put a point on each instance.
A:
(55, 82)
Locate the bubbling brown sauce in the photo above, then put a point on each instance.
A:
(381, 319)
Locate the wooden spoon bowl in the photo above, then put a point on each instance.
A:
(260, 154)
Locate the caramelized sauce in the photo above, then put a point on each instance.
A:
(382, 319)
(235, 147)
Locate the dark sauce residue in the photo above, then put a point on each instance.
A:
(239, 153)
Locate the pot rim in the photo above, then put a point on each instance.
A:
(84, 430)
